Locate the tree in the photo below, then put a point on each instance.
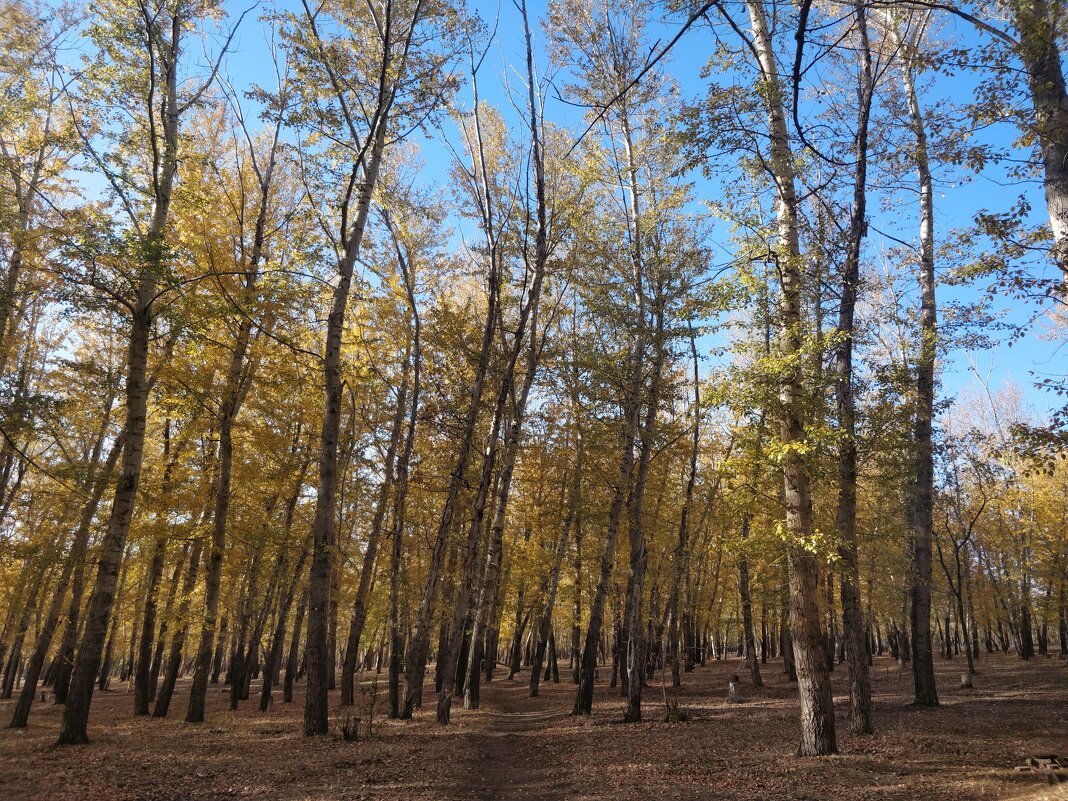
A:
(921, 495)
(817, 713)
(145, 42)
(402, 71)
(852, 615)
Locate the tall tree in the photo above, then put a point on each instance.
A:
(920, 502)
(146, 43)
(814, 686)
(394, 83)
(257, 167)
(852, 615)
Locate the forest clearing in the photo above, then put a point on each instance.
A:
(522, 748)
(533, 399)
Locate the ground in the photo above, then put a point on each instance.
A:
(523, 748)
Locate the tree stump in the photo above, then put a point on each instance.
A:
(734, 695)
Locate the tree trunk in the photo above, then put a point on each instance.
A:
(40, 575)
(553, 580)
(1036, 27)
(817, 712)
(274, 659)
(143, 666)
(489, 586)
(104, 678)
(633, 615)
(174, 658)
(631, 418)
(415, 659)
(400, 497)
(454, 637)
(576, 605)
(241, 687)
(416, 656)
(213, 574)
(154, 245)
(747, 610)
(363, 590)
(294, 647)
(90, 652)
(220, 649)
(920, 504)
(285, 603)
(849, 581)
(528, 315)
(97, 481)
(681, 560)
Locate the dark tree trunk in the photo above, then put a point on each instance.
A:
(294, 646)
(174, 657)
(87, 662)
(285, 603)
(633, 614)
(29, 607)
(164, 629)
(576, 606)
(165, 142)
(400, 497)
(920, 506)
(220, 651)
(238, 382)
(363, 590)
(418, 645)
(747, 611)
(143, 668)
(545, 632)
(849, 582)
(96, 481)
(515, 662)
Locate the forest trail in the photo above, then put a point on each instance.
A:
(518, 748)
(512, 759)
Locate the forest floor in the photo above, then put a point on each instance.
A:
(523, 748)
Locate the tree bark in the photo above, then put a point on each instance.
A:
(631, 418)
(143, 668)
(633, 615)
(294, 647)
(681, 561)
(514, 427)
(154, 246)
(747, 610)
(90, 652)
(553, 580)
(40, 575)
(400, 497)
(174, 658)
(164, 629)
(920, 503)
(363, 590)
(1038, 46)
(817, 712)
(274, 658)
(849, 581)
(418, 645)
(96, 481)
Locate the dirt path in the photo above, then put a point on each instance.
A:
(518, 748)
(512, 758)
